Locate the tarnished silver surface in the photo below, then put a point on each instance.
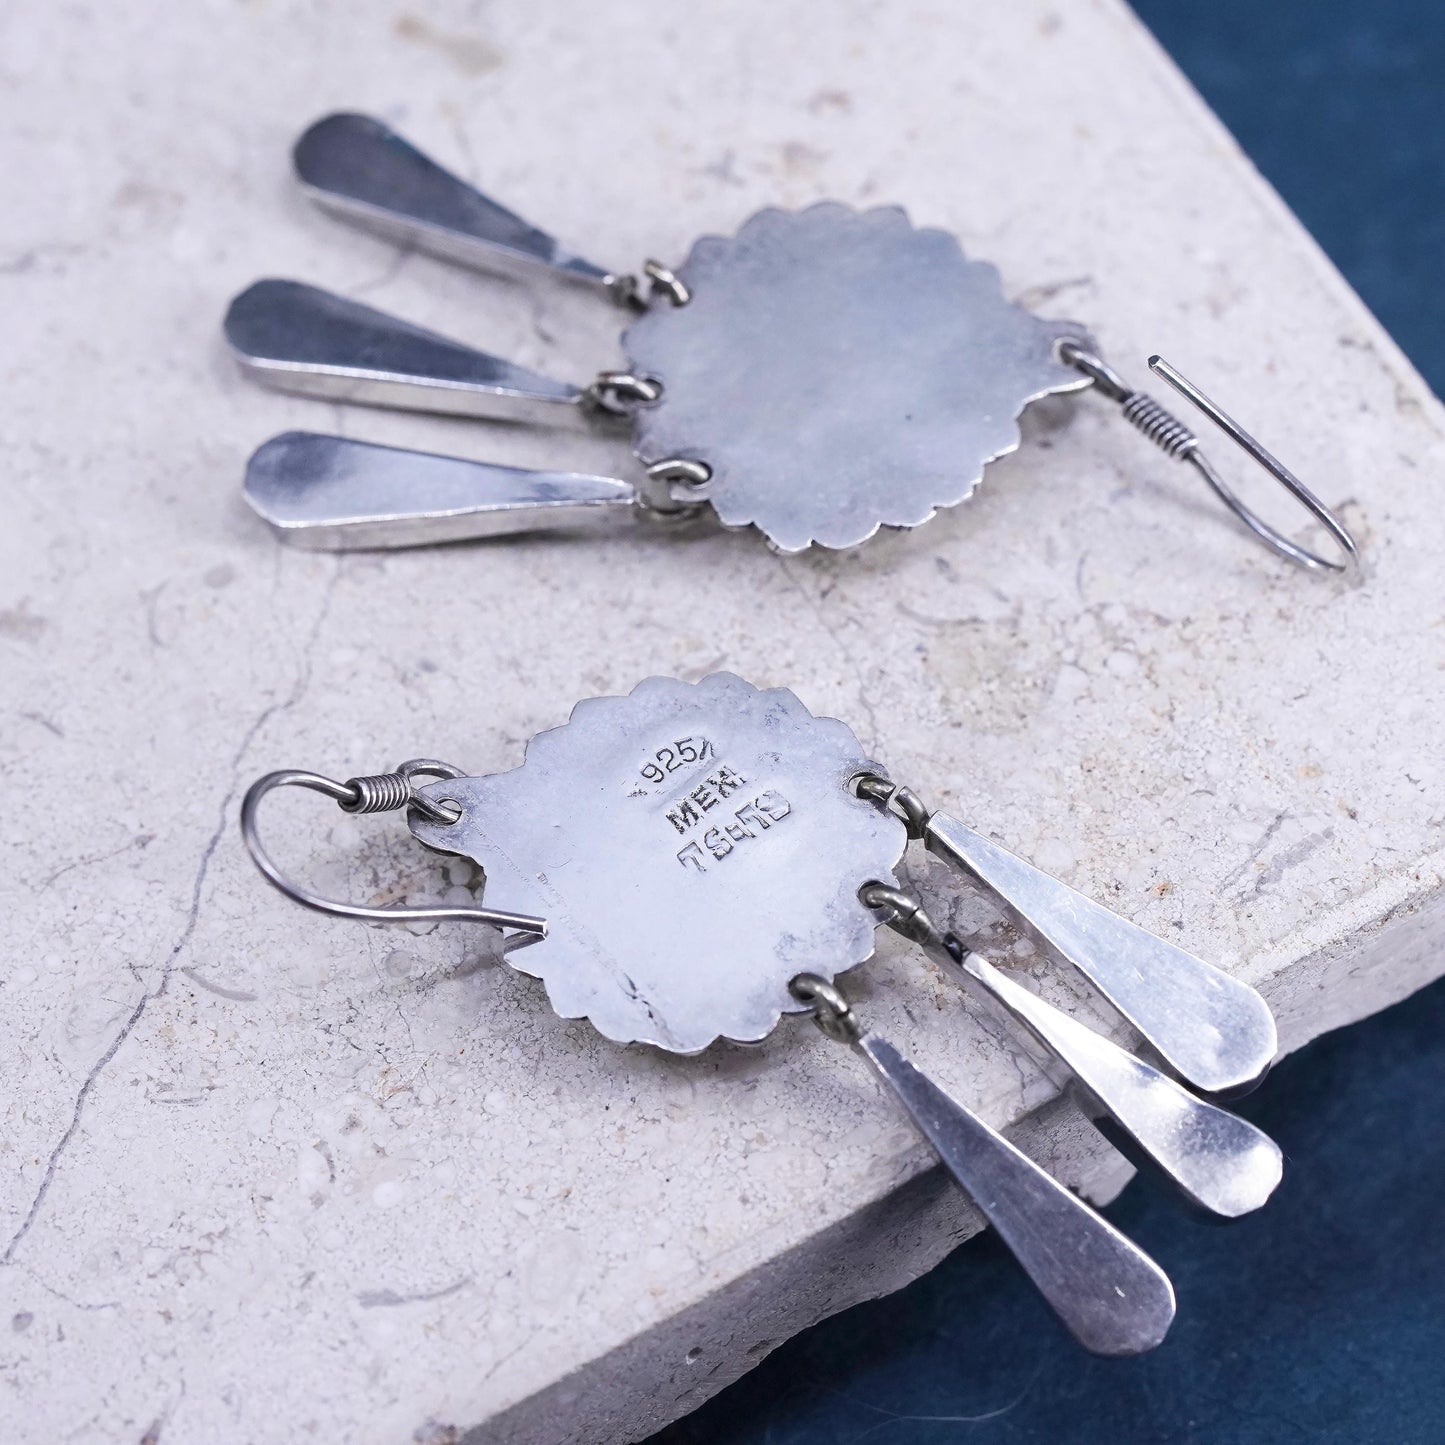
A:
(1213, 1030)
(1109, 1294)
(839, 371)
(360, 170)
(299, 338)
(334, 494)
(692, 846)
(834, 370)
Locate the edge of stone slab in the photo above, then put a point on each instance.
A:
(663, 1373)
(881, 1248)
(1258, 188)
(1391, 945)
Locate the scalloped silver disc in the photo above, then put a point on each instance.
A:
(838, 371)
(692, 846)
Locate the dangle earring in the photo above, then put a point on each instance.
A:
(822, 374)
(735, 820)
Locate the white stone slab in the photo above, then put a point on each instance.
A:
(273, 1177)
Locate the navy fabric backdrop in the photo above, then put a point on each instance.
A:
(1323, 1318)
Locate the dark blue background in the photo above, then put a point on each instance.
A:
(1322, 1318)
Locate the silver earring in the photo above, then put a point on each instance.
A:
(819, 375)
(692, 862)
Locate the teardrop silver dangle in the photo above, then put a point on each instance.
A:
(1218, 1161)
(1209, 1028)
(298, 338)
(359, 169)
(1106, 1291)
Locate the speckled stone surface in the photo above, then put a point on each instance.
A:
(274, 1177)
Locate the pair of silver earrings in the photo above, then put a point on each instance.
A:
(819, 375)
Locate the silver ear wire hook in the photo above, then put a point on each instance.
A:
(376, 793)
(1175, 438)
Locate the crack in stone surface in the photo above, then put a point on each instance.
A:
(298, 691)
(141, 840)
(51, 1290)
(1236, 874)
(370, 1299)
(825, 621)
(1292, 857)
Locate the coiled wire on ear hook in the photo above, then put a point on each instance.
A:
(375, 793)
(1176, 439)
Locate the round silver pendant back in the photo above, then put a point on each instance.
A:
(839, 370)
(692, 846)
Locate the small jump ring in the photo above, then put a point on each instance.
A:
(903, 803)
(666, 282)
(445, 811)
(831, 1010)
(674, 487)
(621, 393)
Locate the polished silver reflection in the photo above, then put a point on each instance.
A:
(298, 338)
(1219, 1161)
(1107, 1292)
(1211, 1029)
(333, 494)
(361, 170)
(692, 846)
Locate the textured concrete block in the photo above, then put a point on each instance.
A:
(274, 1177)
